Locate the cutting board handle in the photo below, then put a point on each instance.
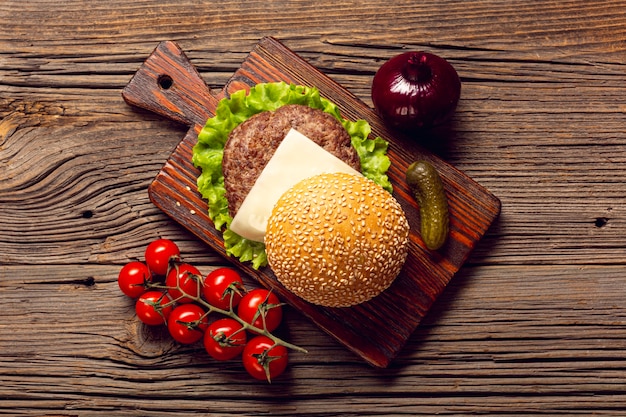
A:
(169, 85)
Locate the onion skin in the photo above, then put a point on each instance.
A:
(415, 91)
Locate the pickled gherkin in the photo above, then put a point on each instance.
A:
(427, 188)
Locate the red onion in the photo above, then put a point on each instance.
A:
(416, 90)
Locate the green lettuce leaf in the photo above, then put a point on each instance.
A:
(230, 112)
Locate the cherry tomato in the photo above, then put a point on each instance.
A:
(263, 359)
(187, 323)
(158, 255)
(183, 279)
(153, 307)
(133, 278)
(261, 308)
(222, 284)
(224, 339)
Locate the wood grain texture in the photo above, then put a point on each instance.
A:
(533, 324)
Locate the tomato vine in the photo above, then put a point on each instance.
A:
(177, 296)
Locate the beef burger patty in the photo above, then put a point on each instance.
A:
(252, 144)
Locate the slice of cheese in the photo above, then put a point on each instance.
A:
(295, 159)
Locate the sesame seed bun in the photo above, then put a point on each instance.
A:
(337, 240)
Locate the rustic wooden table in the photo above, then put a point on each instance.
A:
(533, 324)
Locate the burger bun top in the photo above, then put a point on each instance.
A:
(337, 239)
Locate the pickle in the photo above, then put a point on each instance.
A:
(428, 190)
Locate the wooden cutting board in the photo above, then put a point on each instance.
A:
(169, 85)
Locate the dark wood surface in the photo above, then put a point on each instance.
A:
(532, 324)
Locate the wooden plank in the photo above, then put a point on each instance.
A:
(186, 99)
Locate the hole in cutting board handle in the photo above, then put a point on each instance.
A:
(165, 82)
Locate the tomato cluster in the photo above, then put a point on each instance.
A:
(173, 293)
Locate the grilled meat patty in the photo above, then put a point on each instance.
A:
(251, 145)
